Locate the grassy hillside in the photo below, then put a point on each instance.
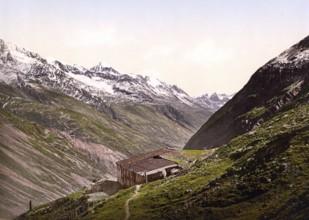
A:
(52, 144)
(262, 174)
(137, 127)
(259, 170)
(38, 164)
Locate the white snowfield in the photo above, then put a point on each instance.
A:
(293, 56)
(101, 81)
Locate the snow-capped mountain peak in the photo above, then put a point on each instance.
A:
(213, 101)
(296, 55)
(20, 54)
(97, 86)
(102, 67)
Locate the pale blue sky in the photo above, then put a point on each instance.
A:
(200, 45)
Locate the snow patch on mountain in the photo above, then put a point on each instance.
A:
(296, 55)
(154, 82)
(22, 55)
(213, 101)
(97, 85)
(7, 77)
(95, 82)
(290, 56)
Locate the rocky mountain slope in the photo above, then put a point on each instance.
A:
(62, 126)
(97, 86)
(279, 82)
(214, 101)
(126, 98)
(48, 151)
(261, 174)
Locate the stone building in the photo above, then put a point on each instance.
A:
(145, 168)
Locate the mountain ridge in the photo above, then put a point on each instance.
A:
(95, 80)
(259, 174)
(63, 124)
(280, 81)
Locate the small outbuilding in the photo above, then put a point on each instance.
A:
(145, 168)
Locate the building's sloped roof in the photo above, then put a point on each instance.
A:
(134, 160)
(151, 164)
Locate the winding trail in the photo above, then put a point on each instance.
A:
(126, 205)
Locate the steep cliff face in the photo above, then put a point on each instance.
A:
(275, 85)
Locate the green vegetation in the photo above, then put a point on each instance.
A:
(114, 208)
(185, 158)
(35, 160)
(256, 112)
(257, 175)
(76, 195)
(52, 145)
(138, 127)
(261, 174)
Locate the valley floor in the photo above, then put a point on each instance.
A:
(259, 175)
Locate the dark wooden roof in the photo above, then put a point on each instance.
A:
(134, 160)
(151, 164)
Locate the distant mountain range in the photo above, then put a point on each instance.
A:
(96, 86)
(61, 126)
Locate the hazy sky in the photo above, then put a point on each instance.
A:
(200, 45)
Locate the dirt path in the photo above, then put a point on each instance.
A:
(126, 205)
